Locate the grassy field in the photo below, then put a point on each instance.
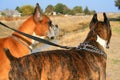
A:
(73, 30)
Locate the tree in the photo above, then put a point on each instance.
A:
(77, 9)
(49, 9)
(86, 10)
(3, 14)
(117, 3)
(25, 10)
(17, 8)
(65, 10)
(70, 12)
(61, 8)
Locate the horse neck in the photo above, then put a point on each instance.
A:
(27, 27)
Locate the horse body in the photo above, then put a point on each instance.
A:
(19, 45)
(86, 62)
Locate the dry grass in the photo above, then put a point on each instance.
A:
(12, 22)
(73, 30)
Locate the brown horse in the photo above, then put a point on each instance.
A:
(38, 25)
(85, 62)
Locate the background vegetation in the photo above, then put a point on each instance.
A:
(117, 3)
(59, 8)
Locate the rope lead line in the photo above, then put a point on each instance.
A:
(36, 38)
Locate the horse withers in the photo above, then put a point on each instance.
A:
(38, 25)
(85, 62)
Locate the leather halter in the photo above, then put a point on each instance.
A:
(87, 47)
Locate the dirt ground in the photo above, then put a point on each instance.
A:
(73, 30)
(113, 61)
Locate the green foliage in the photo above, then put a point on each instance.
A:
(58, 8)
(25, 10)
(77, 9)
(117, 3)
(66, 10)
(49, 9)
(86, 10)
(70, 12)
(3, 14)
(61, 8)
(18, 8)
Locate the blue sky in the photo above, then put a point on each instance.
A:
(97, 5)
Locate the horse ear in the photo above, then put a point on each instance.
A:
(106, 19)
(93, 21)
(37, 13)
